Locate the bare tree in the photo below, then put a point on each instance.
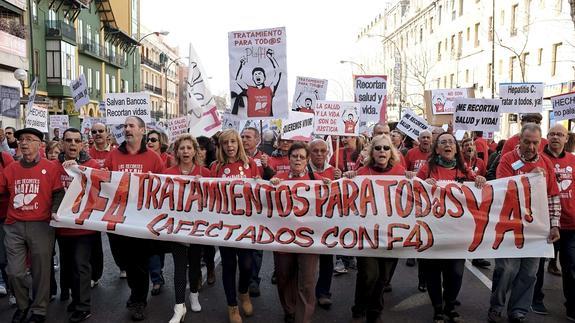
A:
(517, 51)
(418, 70)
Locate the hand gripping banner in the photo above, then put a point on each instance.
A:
(381, 216)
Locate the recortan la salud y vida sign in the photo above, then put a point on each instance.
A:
(368, 216)
(120, 106)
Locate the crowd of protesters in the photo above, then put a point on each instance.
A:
(33, 181)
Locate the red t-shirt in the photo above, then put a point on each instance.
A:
(235, 170)
(346, 163)
(66, 180)
(305, 177)
(505, 169)
(99, 156)
(147, 161)
(258, 160)
(445, 174)
(564, 173)
(415, 159)
(397, 169)
(477, 166)
(30, 190)
(514, 141)
(168, 160)
(279, 164)
(259, 101)
(482, 148)
(6, 160)
(493, 146)
(328, 173)
(197, 170)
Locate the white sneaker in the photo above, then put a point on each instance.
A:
(339, 267)
(123, 274)
(195, 302)
(3, 290)
(179, 313)
(94, 283)
(12, 300)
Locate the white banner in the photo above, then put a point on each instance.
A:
(258, 73)
(299, 126)
(564, 106)
(307, 91)
(477, 114)
(442, 100)
(368, 216)
(37, 118)
(79, 89)
(521, 97)
(371, 93)
(411, 124)
(120, 106)
(59, 121)
(336, 118)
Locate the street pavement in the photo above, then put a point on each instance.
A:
(404, 304)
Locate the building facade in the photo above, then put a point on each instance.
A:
(160, 69)
(431, 44)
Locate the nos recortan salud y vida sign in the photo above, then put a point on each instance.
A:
(120, 106)
(388, 216)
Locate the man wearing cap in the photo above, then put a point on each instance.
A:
(133, 156)
(35, 194)
(512, 142)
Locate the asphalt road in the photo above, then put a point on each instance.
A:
(404, 304)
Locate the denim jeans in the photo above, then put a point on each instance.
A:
(156, 267)
(323, 285)
(257, 258)
(517, 276)
(567, 259)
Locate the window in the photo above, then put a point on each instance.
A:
(511, 67)
(451, 79)
(97, 80)
(477, 35)
(108, 89)
(459, 43)
(439, 51)
(52, 15)
(490, 32)
(539, 56)
(500, 67)
(460, 8)
(113, 84)
(81, 70)
(421, 35)
(502, 18)
(468, 33)
(452, 47)
(513, 28)
(554, 53)
(126, 86)
(135, 19)
(89, 34)
(439, 15)
(60, 62)
(466, 76)
(36, 62)
(35, 11)
(431, 25)
(80, 33)
(89, 78)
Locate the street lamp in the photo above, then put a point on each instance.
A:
(398, 66)
(157, 33)
(172, 61)
(354, 63)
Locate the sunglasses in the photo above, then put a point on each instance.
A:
(153, 139)
(71, 140)
(97, 131)
(380, 147)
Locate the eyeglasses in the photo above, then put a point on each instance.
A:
(380, 147)
(71, 140)
(98, 131)
(27, 140)
(153, 139)
(556, 134)
(447, 142)
(296, 157)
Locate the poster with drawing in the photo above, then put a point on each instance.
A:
(442, 100)
(307, 91)
(258, 73)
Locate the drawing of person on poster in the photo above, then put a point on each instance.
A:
(307, 105)
(259, 95)
(350, 121)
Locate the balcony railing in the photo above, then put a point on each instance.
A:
(89, 47)
(60, 29)
(153, 89)
(152, 64)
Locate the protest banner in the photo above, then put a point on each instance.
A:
(477, 114)
(307, 91)
(37, 118)
(258, 73)
(203, 116)
(371, 93)
(79, 89)
(118, 133)
(59, 121)
(411, 124)
(177, 126)
(388, 216)
(563, 106)
(9, 101)
(299, 126)
(439, 106)
(336, 118)
(120, 106)
(521, 97)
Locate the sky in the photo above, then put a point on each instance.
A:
(320, 33)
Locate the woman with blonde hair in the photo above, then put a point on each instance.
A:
(187, 164)
(232, 162)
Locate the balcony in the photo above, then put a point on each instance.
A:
(152, 64)
(91, 48)
(117, 60)
(58, 29)
(153, 89)
(13, 51)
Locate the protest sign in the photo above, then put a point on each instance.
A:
(371, 93)
(9, 101)
(563, 106)
(88, 122)
(118, 133)
(307, 91)
(230, 121)
(79, 89)
(440, 119)
(120, 106)
(299, 126)
(32, 95)
(521, 97)
(258, 73)
(59, 121)
(372, 216)
(37, 118)
(477, 114)
(442, 100)
(336, 118)
(411, 124)
(177, 126)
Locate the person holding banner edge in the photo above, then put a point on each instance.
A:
(443, 277)
(232, 162)
(187, 258)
